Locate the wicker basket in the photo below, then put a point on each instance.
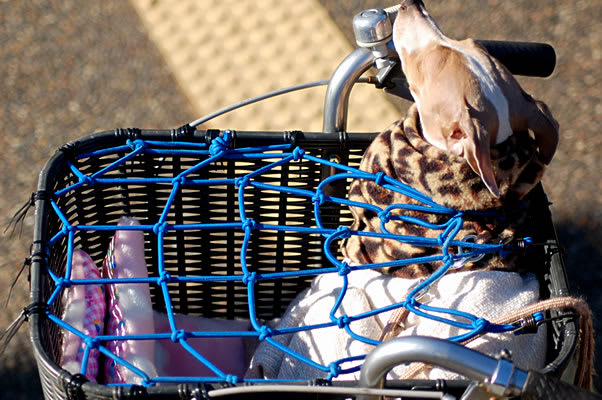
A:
(216, 252)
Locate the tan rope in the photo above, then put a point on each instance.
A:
(585, 355)
(396, 321)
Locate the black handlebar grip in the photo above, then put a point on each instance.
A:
(540, 386)
(523, 58)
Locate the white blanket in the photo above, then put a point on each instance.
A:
(486, 294)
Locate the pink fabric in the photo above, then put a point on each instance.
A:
(84, 311)
(129, 307)
(227, 354)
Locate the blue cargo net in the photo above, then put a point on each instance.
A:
(220, 150)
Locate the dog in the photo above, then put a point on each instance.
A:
(467, 100)
(464, 143)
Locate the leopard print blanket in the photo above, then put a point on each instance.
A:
(402, 153)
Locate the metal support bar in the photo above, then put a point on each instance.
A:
(339, 88)
(499, 375)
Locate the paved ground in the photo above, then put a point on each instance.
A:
(236, 51)
(68, 70)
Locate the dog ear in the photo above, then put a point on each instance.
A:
(474, 142)
(545, 129)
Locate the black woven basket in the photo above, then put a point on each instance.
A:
(218, 252)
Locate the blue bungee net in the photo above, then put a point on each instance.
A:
(220, 150)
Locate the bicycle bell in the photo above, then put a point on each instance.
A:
(373, 29)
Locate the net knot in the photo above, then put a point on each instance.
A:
(86, 180)
(334, 370)
(63, 283)
(231, 379)
(447, 259)
(343, 321)
(91, 342)
(343, 232)
(318, 197)
(220, 144)
(67, 229)
(242, 181)
(249, 278)
(180, 180)
(164, 277)
(136, 144)
(249, 224)
(384, 215)
(146, 382)
(160, 228)
(264, 332)
(380, 177)
(344, 269)
(458, 215)
(480, 324)
(298, 153)
(179, 335)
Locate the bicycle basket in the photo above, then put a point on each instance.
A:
(63, 185)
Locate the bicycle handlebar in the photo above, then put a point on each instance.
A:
(540, 386)
(523, 58)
